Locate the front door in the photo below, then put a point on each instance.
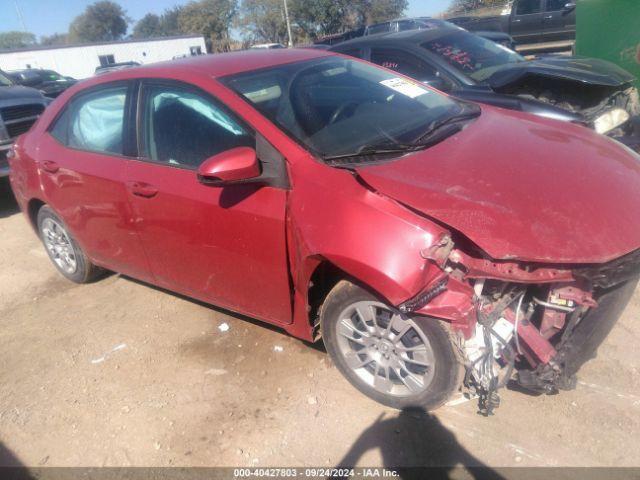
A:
(225, 245)
(559, 23)
(82, 176)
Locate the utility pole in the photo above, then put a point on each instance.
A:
(286, 17)
(20, 17)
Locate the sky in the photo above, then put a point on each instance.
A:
(44, 17)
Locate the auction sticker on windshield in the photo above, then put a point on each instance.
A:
(404, 87)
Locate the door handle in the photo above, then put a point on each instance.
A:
(142, 189)
(50, 166)
(548, 17)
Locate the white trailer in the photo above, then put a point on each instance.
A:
(80, 61)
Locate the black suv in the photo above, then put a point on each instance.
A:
(49, 82)
(19, 109)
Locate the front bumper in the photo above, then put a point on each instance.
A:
(4, 162)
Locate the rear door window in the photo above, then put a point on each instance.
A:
(527, 7)
(94, 121)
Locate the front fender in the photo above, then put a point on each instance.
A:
(368, 236)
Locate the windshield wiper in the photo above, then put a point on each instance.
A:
(373, 150)
(435, 133)
(469, 112)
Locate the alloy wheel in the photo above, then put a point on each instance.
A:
(58, 244)
(385, 349)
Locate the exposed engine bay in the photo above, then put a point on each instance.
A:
(607, 109)
(535, 334)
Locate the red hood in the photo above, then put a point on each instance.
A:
(523, 187)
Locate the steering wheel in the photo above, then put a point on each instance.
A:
(341, 110)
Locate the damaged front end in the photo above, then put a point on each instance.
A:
(528, 323)
(610, 110)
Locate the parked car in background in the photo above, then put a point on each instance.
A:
(112, 67)
(19, 108)
(468, 235)
(405, 24)
(428, 23)
(266, 46)
(529, 21)
(49, 82)
(590, 92)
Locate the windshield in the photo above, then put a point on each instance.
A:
(4, 80)
(336, 106)
(472, 55)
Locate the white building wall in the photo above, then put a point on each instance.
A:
(80, 62)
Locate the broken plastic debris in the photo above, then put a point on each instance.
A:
(278, 348)
(223, 327)
(106, 355)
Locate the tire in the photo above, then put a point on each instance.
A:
(385, 364)
(63, 250)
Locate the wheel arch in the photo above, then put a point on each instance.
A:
(33, 207)
(320, 274)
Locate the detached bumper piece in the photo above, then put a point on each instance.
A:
(579, 342)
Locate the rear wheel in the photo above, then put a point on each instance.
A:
(397, 360)
(65, 253)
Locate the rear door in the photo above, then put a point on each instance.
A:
(224, 245)
(82, 164)
(559, 23)
(526, 21)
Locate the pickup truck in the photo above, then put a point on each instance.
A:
(19, 109)
(530, 21)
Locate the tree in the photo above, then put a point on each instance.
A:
(320, 17)
(324, 17)
(13, 39)
(210, 18)
(101, 21)
(169, 21)
(54, 39)
(460, 6)
(264, 20)
(366, 12)
(148, 26)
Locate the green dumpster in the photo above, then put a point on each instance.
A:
(610, 29)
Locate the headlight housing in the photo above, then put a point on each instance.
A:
(610, 120)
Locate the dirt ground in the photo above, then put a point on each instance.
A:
(119, 373)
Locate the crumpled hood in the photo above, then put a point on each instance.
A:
(581, 69)
(524, 187)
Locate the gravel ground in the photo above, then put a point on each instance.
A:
(119, 373)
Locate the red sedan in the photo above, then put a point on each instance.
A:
(417, 235)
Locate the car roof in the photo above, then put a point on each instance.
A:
(408, 36)
(222, 64)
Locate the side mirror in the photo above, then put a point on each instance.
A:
(569, 6)
(232, 166)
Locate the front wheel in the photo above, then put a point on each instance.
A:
(397, 360)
